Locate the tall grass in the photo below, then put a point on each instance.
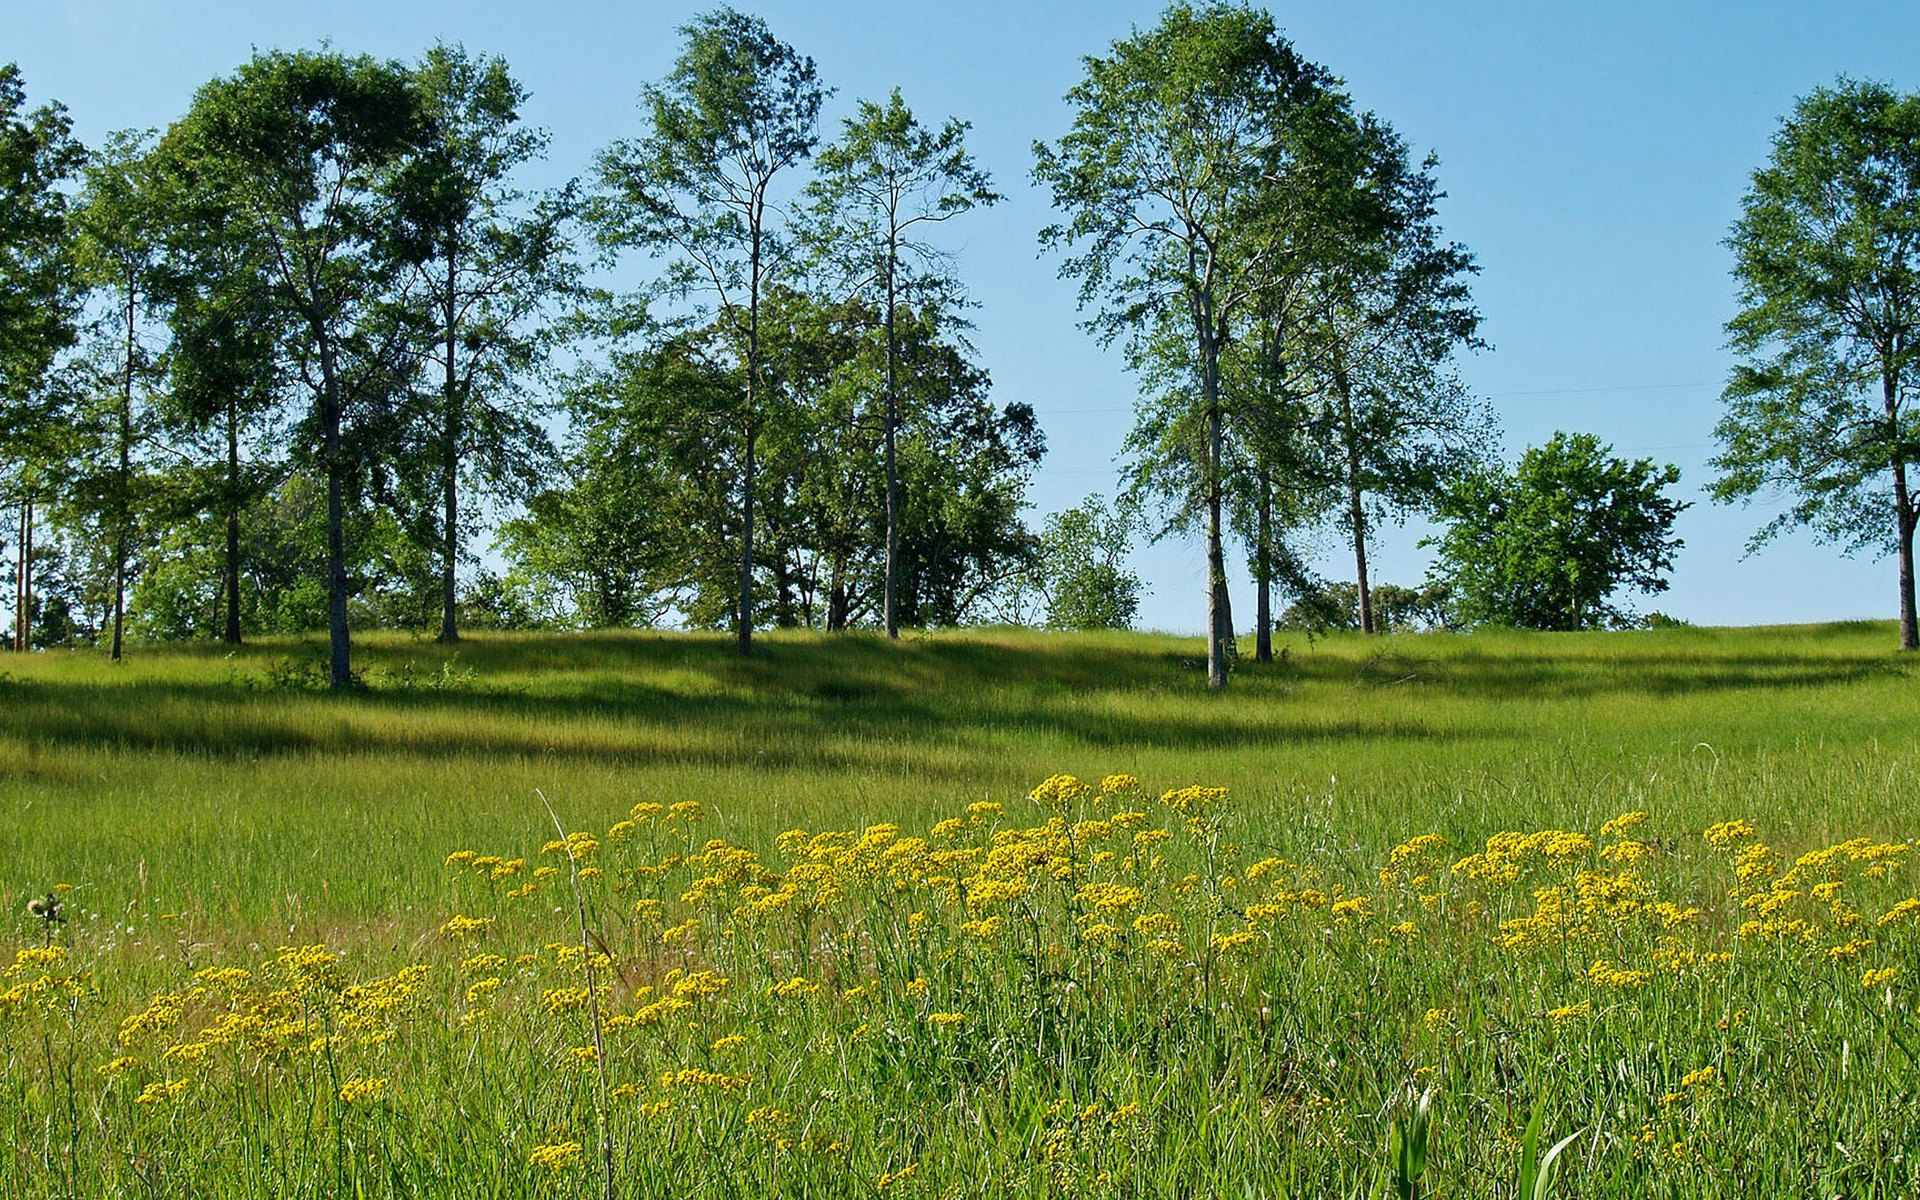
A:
(964, 991)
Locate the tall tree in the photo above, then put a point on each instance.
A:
(1167, 174)
(39, 301)
(1381, 319)
(737, 112)
(490, 260)
(877, 189)
(120, 248)
(289, 155)
(226, 380)
(1827, 256)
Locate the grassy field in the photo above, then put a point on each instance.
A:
(1417, 882)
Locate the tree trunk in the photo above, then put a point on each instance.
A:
(1356, 509)
(340, 668)
(837, 599)
(1219, 615)
(889, 601)
(744, 635)
(232, 580)
(1219, 620)
(1904, 515)
(20, 579)
(1263, 568)
(449, 551)
(123, 516)
(26, 577)
(1909, 631)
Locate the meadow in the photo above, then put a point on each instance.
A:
(984, 913)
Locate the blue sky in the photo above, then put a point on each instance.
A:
(1594, 157)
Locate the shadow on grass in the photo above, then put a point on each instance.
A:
(838, 734)
(837, 703)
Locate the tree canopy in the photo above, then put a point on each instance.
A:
(738, 112)
(1820, 408)
(1188, 142)
(1548, 544)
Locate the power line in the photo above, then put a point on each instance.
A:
(1641, 387)
(1579, 391)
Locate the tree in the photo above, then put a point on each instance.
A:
(489, 263)
(963, 463)
(1381, 319)
(1082, 572)
(120, 247)
(39, 300)
(886, 178)
(223, 403)
(288, 156)
(1545, 546)
(739, 109)
(1827, 256)
(1168, 175)
(641, 519)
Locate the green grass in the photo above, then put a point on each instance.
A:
(205, 808)
(184, 778)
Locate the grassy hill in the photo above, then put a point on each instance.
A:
(191, 774)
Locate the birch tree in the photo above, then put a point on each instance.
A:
(1167, 177)
(739, 111)
(879, 189)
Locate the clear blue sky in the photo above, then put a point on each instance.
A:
(1594, 156)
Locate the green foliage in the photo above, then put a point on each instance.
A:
(1546, 545)
(1410, 1137)
(1187, 177)
(1827, 256)
(39, 298)
(1535, 1181)
(644, 510)
(283, 561)
(1336, 606)
(1083, 577)
(646, 526)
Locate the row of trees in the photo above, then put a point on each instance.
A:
(1270, 259)
(307, 308)
(316, 320)
(323, 319)
(294, 339)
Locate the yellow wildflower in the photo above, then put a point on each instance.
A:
(353, 1091)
